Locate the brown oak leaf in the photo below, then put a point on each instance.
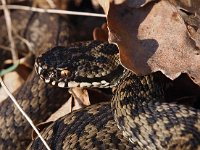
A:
(153, 37)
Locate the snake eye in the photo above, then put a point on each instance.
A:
(65, 73)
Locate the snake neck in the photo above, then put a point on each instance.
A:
(131, 99)
(136, 90)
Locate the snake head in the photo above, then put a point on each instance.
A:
(82, 64)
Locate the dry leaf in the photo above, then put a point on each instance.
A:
(153, 38)
(188, 5)
(130, 3)
(95, 4)
(192, 22)
(13, 81)
(81, 97)
(101, 34)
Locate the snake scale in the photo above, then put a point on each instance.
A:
(138, 107)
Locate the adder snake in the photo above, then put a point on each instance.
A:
(138, 105)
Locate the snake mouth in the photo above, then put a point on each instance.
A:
(51, 76)
(59, 78)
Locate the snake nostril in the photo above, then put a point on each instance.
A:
(51, 74)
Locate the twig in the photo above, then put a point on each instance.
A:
(26, 42)
(55, 11)
(9, 30)
(5, 48)
(23, 113)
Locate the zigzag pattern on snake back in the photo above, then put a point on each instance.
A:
(139, 107)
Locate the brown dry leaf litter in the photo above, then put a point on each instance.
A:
(13, 81)
(135, 3)
(81, 97)
(101, 34)
(188, 5)
(153, 37)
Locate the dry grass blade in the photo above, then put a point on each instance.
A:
(23, 113)
(55, 11)
(9, 30)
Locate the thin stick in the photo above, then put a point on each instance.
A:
(27, 43)
(55, 11)
(5, 48)
(23, 113)
(9, 30)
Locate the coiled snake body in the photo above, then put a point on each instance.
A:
(138, 104)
